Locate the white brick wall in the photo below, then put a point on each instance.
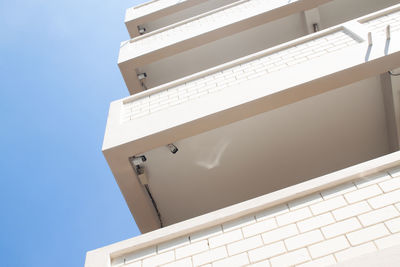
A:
(235, 75)
(338, 224)
(378, 25)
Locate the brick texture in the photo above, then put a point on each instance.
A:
(236, 75)
(378, 25)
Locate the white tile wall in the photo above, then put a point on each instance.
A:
(259, 227)
(267, 251)
(389, 241)
(329, 246)
(367, 234)
(328, 205)
(225, 238)
(293, 216)
(393, 225)
(315, 222)
(371, 180)
(354, 252)
(236, 75)
(237, 260)
(324, 261)
(363, 193)
(341, 228)
(291, 258)
(351, 210)
(378, 25)
(318, 232)
(211, 255)
(390, 185)
(244, 245)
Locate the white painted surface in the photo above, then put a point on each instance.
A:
(347, 10)
(264, 207)
(217, 19)
(229, 48)
(151, 7)
(160, 18)
(357, 217)
(212, 163)
(160, 53)
(339, 241)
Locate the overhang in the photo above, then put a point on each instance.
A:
(264, 133)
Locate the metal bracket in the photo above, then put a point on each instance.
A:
(388, 32)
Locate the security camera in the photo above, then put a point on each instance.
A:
(172, 148)
(141, 30)
(137, 160)
(142, 76)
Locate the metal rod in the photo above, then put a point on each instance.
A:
(387, 32)
(369, 38)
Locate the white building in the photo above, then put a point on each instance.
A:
(286, 117)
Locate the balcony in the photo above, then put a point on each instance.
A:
(241, 124)
(157, 14)
(283, 228)
(189, 46)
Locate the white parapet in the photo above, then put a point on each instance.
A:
(238, 73)
(195, 26)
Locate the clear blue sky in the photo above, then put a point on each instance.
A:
(58, 73)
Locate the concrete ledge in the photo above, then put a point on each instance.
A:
(135, 16)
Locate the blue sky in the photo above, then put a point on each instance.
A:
(58, 74)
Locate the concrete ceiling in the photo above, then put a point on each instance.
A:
(269, 151)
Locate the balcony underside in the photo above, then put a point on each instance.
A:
(277, 127)
(269, 151)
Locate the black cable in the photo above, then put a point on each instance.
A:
(143, 85)
(138, 170)
(154, 204)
